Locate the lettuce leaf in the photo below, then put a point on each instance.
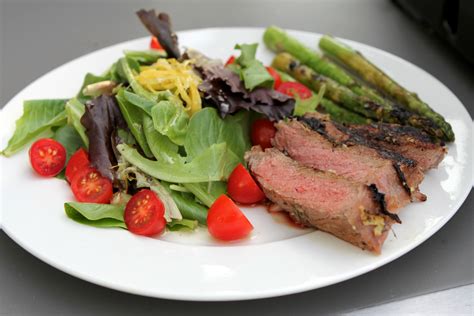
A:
(74, 112)
(89, 79)
(308, 105)
(182, 225)
(223, 89)
(247, 54)
(159, 25)
(207, 192)
(214, 164)
(126, 68)
(252, 71)
(97, 215)
(186, 203)
(170, 119)
(39, 116)
(207, 128)
(145, 57)
(160, 145)
(134, 118)
(102, 119)
(69, 138)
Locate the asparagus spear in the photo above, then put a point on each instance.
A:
(370, 73)
(343, 95)
(336, 112)
(278, 41)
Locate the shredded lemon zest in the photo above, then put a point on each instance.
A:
(177, 77)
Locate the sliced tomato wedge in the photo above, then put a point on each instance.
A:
(89, 186)
(47, 157)
(295, 88)
(229, 61)
(225, 221)
(242, 188)
(78, 161)
(154, 44)
(276, 77)
(262, 132)
(144, 214)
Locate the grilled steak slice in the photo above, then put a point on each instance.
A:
(406, 140)
(320, 150)
(333, 204)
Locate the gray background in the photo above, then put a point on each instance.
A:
(39, 35)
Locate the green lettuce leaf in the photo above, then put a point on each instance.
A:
(256, 75)
(247, 53)
(187, 205)
(308, 105)
(39, 116)
(160, 145)
(127, 68)
(252, 71)
(213, 164)
(170, 119)
(207, 128)
(98, 215)
(89, 79)
(182, 225)
(74, 111)
(145, 57)
(207, 192)
(69, 138)
(134, 118)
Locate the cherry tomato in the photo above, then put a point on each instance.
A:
(144, 214)
(47, 157)
(154, 44)
(262, 132)
(276, 77)
(225, 221)
(229, 61)
(78, 161)
(292, 88)
(242, 188)
(89, 186)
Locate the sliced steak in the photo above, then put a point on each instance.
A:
(346, 209)
(322, 149)
(406, 140)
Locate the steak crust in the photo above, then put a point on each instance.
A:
(406, 140)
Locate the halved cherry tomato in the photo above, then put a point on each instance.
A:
(89, 186)
(242, 188)
(78, 161)
(276, 77)
(154, 44)
(47, 157)
(293, 88)
(225, 221)
(144, 214)
(229, 61)
(262, 132)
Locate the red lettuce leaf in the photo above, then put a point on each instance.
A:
(102, 120)
(223, 88)
(160, 26)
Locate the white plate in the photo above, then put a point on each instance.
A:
(276, 260)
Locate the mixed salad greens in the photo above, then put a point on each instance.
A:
(151, 142)
(158, 140)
